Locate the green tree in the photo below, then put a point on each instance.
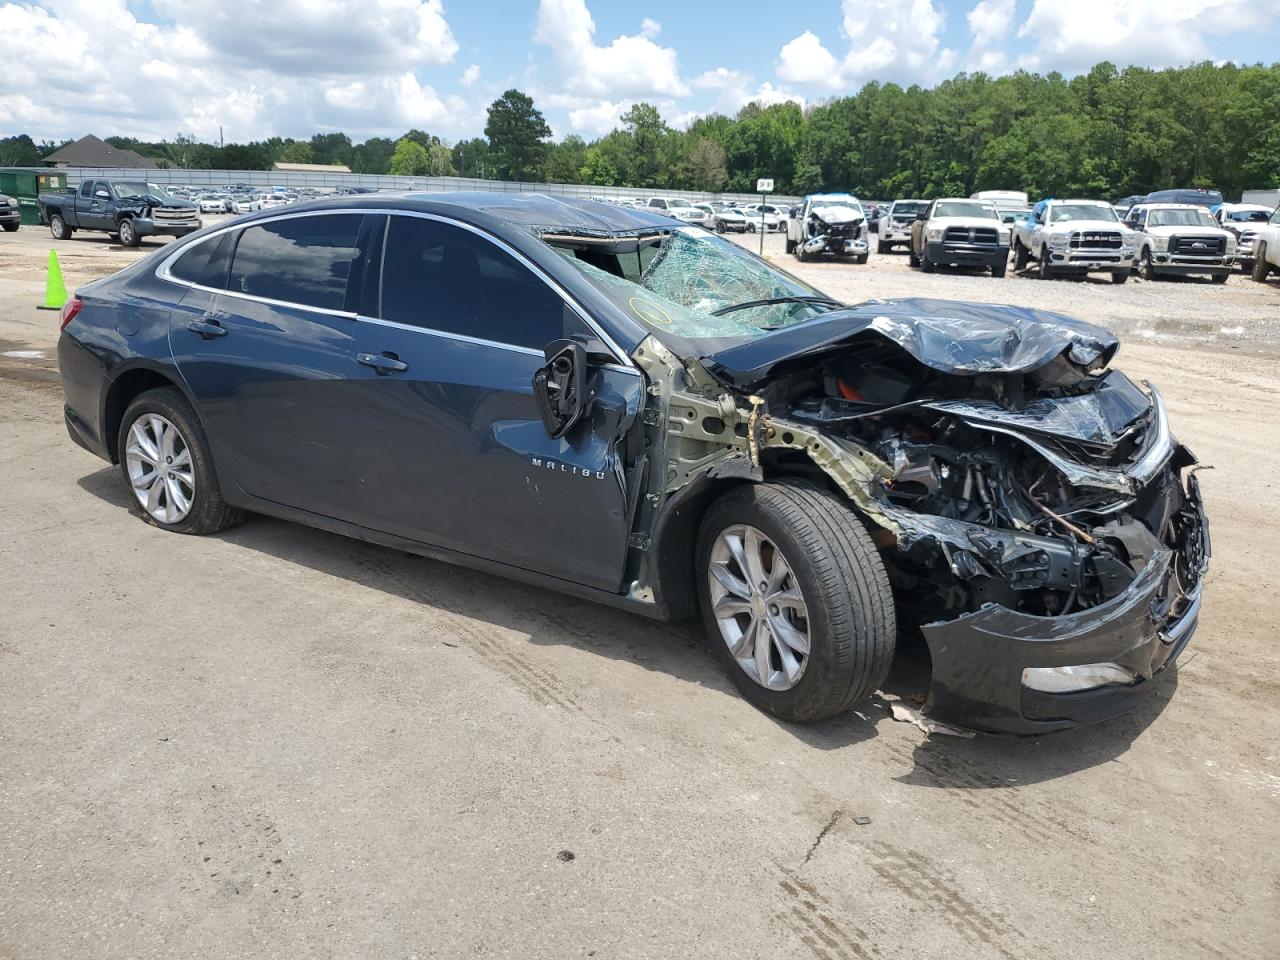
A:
(373, 156)
(297, 151)
(517, 132)
(649, 135)
(19, 151)
(409, 159)
(471, 158)
(565, 160)
(331, 148)
(440, 161)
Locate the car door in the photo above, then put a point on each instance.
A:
(451, 449)
(265, 342)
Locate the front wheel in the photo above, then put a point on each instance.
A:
(790, 245)
(881, 247)
(926, 263)
(719, 226)
(795, 599)
(1045, 272)
(1119, 276)
(10, 227)
(1260, 266)
(128, 233)
(58, 227)
(912, 259)
(998, 270)
(1147, 269)
(1219, 278)
(164, 456)
(860, 258)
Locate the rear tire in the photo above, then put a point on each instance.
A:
(1044, 271)
(829, 565)
(1020, 256)
(58, 227)
(1260, 266)
(208, 512)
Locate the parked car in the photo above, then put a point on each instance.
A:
(1011, 205)
(1266, 252)
(1192, 195)
(245, 203)
(954, 232)
(127, 209)
(1242, 220)
(273, 200)
(726, 219)
(895, 225)
(764, 216)
(1179, 239)
(10, 213)
(214, 203)
(832, 223)
(678, 208)
(1072, 238)
(495, 384)
(1122, 207)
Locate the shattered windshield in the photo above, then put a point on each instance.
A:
(677, 282)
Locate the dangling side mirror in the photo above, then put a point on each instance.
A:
(560, 387)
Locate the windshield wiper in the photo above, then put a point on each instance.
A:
(746, 305)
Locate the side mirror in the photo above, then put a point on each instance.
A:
(560, 387)
(102, 195)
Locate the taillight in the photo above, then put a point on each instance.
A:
(69, 311)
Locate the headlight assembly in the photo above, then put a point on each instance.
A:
(1160, 244)
(934, 234)
(1058, 240)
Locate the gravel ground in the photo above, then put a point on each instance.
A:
(277, 742)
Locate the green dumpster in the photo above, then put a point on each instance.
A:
(24, 183)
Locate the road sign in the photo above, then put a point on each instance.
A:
(764, 186)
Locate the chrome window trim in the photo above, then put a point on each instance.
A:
(478, 341)
(163, 272)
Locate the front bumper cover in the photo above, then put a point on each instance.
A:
(978, 658)
(951, 253)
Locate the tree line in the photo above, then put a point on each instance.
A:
(1105, 133)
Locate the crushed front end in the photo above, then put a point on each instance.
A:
(1042, 528)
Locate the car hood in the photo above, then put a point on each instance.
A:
(1168, 230)
(835, 214)
(986, 222)
(948, 336)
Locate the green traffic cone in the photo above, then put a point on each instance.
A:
(55, 291)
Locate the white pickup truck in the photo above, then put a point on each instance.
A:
(1266, 248)
(895, 225)
(1180, 239)
(1074, 237)
(834, 222)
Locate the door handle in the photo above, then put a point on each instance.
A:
(383, 363)
(208, 329)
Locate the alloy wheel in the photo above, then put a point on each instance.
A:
(758, 606)
(160, 469)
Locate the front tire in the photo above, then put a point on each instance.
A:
(790, 245)
(165, 460)
(1044, 271)
(1220, 277)
(1260, 266)
(1147, 269)
(128, 233)
(927, 264)
(58, 227)
(881, 247)
(11, 227)
(861, 258)
(812, 631)
(719, 226)
(998, 270)
(1119, 276)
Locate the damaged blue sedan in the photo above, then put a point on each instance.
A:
(602, 402)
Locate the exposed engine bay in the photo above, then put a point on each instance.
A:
(832, 228)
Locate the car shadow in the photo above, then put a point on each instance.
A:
(679, 649)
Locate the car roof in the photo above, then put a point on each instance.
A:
(1167, 206)
(536, 212)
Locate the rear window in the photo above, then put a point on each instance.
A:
(205, 263)
(303, 260)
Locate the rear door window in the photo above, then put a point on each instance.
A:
(443, 277)
(303, 260)
(206, 263)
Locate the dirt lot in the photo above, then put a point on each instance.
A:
(280, 743)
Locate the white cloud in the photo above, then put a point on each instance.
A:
(630, 66)
(735, 89)
(1156, 33)
(207, 70)
(599, 118)
(888, 40)
(990, 22)
(470, 75)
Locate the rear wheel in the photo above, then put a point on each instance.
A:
(1044, 271)
(795, 599)
(58, 227)
(164, 456)
(1020, 256)
(1260, 266)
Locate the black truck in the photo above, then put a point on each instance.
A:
(129, 209)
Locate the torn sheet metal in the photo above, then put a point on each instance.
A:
(955, 338)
